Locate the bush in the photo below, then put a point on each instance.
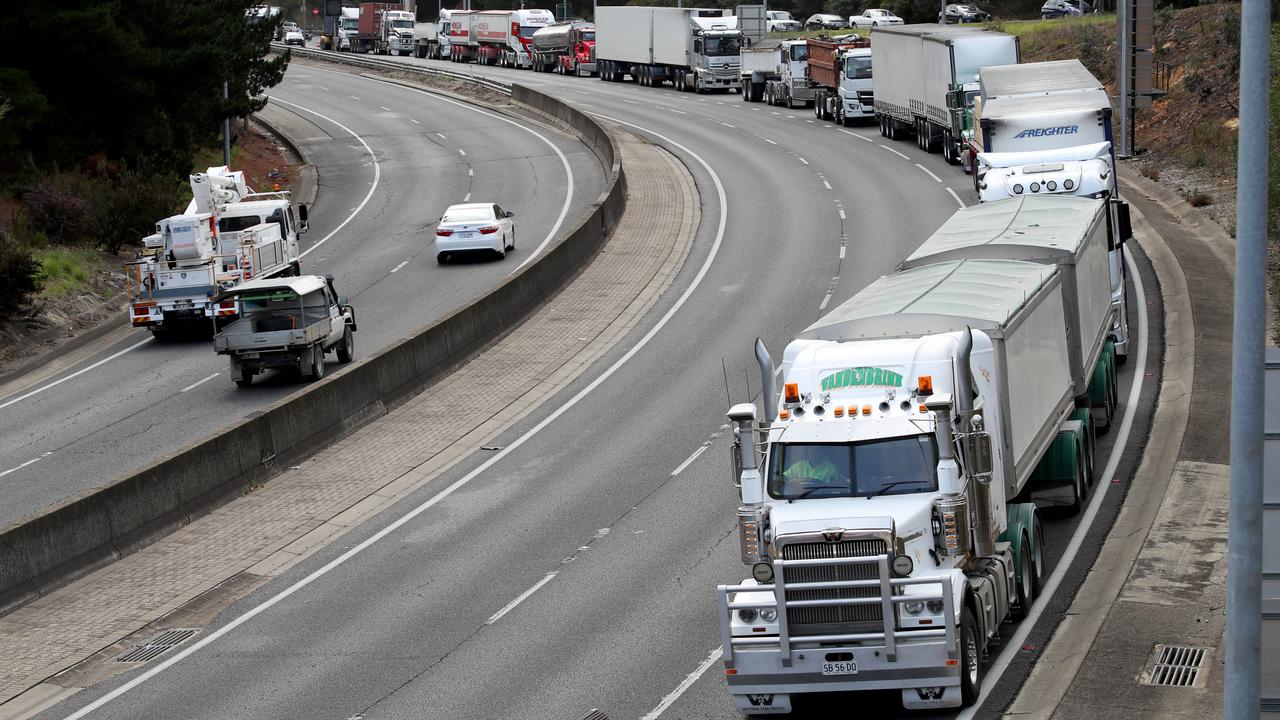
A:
(107, 209)
(60, 210)
(18, 275)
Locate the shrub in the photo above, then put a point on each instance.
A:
(60, 210)
(18, 275)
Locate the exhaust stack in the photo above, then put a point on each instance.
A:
(767, 387)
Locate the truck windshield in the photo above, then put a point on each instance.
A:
(894, 466)
(858, 68)
(589, 36)
(723, 46)
(402, 24)
(350, 24)
(799, 53)
(527, 31)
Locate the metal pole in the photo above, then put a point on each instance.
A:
(1242, 693)
(226, 128)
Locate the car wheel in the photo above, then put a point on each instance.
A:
(441, 259)
(317, 362)
(347, 347)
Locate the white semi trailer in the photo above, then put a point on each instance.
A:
(889, 522)
(927, 78)
(696, 49)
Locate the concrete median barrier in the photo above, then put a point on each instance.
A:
(72, 538)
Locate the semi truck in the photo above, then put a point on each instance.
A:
(567, 48)
(397, 33)
(371, 35)
(348, 28)
(840, 74)
(928, 79)
(505, 37)
(228, 234)
(890, 492)
(426, 42)
(694, 48)
(462, 38)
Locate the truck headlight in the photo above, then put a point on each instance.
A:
(1051, 185)
(747, 615)
(769, 614)
(935, 607)
(913, 607)
(1017, 189)
(1068, 184)
(762, 572)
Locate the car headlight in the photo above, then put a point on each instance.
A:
(935, 607)
(769, 614)
(747, 615)
(913, 607)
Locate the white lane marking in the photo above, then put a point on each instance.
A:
(384, 107)
(377, 173)
(323, 88)
(927, 172)
(774, 112)
(826, 126)
(895, 152)
(687, 683)
(823, 305)
(860, 137)
(77, 373)
(29, 462)
(689, 460)
(957, 197)
(582, 92)
(826, 184)
(394, 269)
(793, 117)
(519, 599)
(442, 136)
(462, 152)
(471, 172)
(465, 479)
(842, 252)
(198, 383)
(1103, 484)
(415, 122)
(808, 121)
(842, 214)
(769, 141)
(353, 97)
(631, 102)
(466, 198)
(806, 162)
(678, 112)
(729, 126)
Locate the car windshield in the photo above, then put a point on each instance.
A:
(468, 215)
(722, 46)
(894, 466)
(799, 53)
(858, 68)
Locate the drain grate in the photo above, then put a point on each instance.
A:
(1175, 666)
(157, 646)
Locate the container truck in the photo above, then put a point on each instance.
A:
(568, 48)
(928, 78)
(505, 37)
(840, 74)
(462, 39)
(228, 234)
(371, 36)
(426, 42)
(696, 49)
(888, 516)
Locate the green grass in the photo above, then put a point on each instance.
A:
(66, 271)
(801, 34)
(1029, 27)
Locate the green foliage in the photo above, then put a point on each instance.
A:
(102, 208)
(65, 271)
(141, 81)
(18, 274)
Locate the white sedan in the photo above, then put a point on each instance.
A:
(474, 227)
(295, 37)
(874, 18)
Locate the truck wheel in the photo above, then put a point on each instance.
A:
(1079, 488)
(347, 347)
(317, 362)
(970, 660)
(1026, 580)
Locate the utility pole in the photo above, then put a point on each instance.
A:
(1243, 691)
(226, 129)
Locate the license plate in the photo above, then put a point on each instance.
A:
(466, 234)
(840, 668)
(182, 303)
(249, 355)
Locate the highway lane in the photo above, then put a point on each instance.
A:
(143, 399)
(579, 570)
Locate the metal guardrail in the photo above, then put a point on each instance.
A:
(356, 60)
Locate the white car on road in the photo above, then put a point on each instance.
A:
(781, 21)
(875, 17)
(474, 227)
(295, 37)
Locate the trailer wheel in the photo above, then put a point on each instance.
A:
(1026, 579)
(1079, 487)
(347, 347)
(970, 660)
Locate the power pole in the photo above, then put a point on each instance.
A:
(226, 129)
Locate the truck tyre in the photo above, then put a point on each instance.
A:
(970, 660)
(757, 91)
(1079, 488)
(317, 362)
(347, 346)
(1026, 580)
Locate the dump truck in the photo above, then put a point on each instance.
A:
(696, 49)
(840, 74)
(505, 37)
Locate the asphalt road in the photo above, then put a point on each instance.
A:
(412, 154)
(579, 570)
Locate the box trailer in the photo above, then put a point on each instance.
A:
(695, 48)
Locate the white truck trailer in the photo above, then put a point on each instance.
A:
(462, 38)
(505, 37)
(927, 78)
(227, 235)
(696, 49)
(887, 521)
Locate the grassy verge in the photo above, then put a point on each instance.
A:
(67, 271)
(1030, 27)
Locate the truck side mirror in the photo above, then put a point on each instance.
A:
(1123, 224)
(302, 217)
(342, 300)
(977, 452)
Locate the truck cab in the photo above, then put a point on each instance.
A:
(348, 28)
(398, 25)
(714, 54)
(857, 97)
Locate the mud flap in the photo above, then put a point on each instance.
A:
(925, 698)
(763, 703)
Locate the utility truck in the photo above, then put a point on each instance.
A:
(889, 492)
(288, 323)
(928, 78)
(840, 74)
(567, 48)
(227, 235)
(696, 49)
(505, 37)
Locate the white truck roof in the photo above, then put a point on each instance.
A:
(1027, 228)
(1036, 78)
(1046, 104)
(300, 285)
(942, 297)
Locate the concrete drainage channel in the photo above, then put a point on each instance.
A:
(82, 533)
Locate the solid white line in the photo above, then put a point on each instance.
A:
(519, 599)
(926, 172)
(1103, 484)
(384, 107)
(377, 172)
(826, 184)
(689, 460)
(687, 683)
(860, 137)
(77, 373)
(769, 141)
(406, 262)
(415, 122)
(32, 460)
(957, 197)
(462, 152)
(895, 152)
(823, 305)
(198, 383)
(806, 162)
(465, 479)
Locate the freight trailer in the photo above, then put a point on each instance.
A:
(696, 49)
(462, 39)
(567, 48)
(505, 37)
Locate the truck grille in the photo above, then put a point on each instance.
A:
(838, 618)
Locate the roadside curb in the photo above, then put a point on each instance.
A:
(308, 175)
